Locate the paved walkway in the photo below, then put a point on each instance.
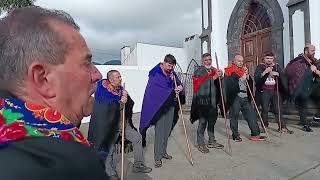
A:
(286, 157)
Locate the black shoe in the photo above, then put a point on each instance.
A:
(316, 118)
(157, 163)
(141, 168)
(237, 139)
(214, 144)
(167, 156)
(203, 149)
(307, 128)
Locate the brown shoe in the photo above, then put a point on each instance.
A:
(203, 149)
(215, 145)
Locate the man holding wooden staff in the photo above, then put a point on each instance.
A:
(239, 96)
(106, 126)
(271, 85)
(204, 103)
(302, 73)
(158, 105)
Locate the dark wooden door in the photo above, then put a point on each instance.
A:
(254, 46)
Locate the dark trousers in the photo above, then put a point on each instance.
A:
(208, 118)
(270, 97)
(302, 107)
(249, 115)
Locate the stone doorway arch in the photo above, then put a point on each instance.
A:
(237, 23)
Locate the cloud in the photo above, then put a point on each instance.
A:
(111, 24)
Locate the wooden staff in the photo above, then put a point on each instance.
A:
(255, 105)
(278, 96)
(122, 136)
(183, 122)
(223, 108)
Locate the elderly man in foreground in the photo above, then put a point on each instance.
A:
(46, 83)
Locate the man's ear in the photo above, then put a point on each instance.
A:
(39, 79)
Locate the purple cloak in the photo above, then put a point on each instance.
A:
(158, 90)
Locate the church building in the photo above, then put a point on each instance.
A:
(253, 27)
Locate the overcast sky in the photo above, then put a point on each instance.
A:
(108, 25)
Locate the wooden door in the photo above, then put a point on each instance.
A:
(254, 46)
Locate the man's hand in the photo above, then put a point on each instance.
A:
(220, 73)
(244, 76)
(178, 89)
(318, 72)
(313, 68)
(267, 70)
(274, 73)
(124, 97)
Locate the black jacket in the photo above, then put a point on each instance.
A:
(283, 81)
(232, 88)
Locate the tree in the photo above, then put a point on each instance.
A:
(6, 5)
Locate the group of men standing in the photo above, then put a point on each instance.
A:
(272, 85)
(268, 87)
(158, 109)
(46, 88)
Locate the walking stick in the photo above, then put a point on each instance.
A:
(122, 136)
(255, 105)
(223, 108)
(183, 122)
(278, 97)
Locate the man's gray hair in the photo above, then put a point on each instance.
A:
(25, 36)
(110, 74)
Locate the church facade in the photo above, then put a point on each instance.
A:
(254, 27)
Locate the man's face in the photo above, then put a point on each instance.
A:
(207, 61)
(268, 60)
(311, 52)
(76, 78)
(116, 79)
(238, 61)
(168, 67)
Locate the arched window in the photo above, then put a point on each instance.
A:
(256, 19)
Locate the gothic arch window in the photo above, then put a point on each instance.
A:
(256, 19)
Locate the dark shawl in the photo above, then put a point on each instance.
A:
(159, 94)
(300, 78)
(105, 119)
(129, 112)
(207, 92)
(283, 81)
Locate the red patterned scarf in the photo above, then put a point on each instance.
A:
(20, 120)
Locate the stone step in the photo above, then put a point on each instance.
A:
(290, 115)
